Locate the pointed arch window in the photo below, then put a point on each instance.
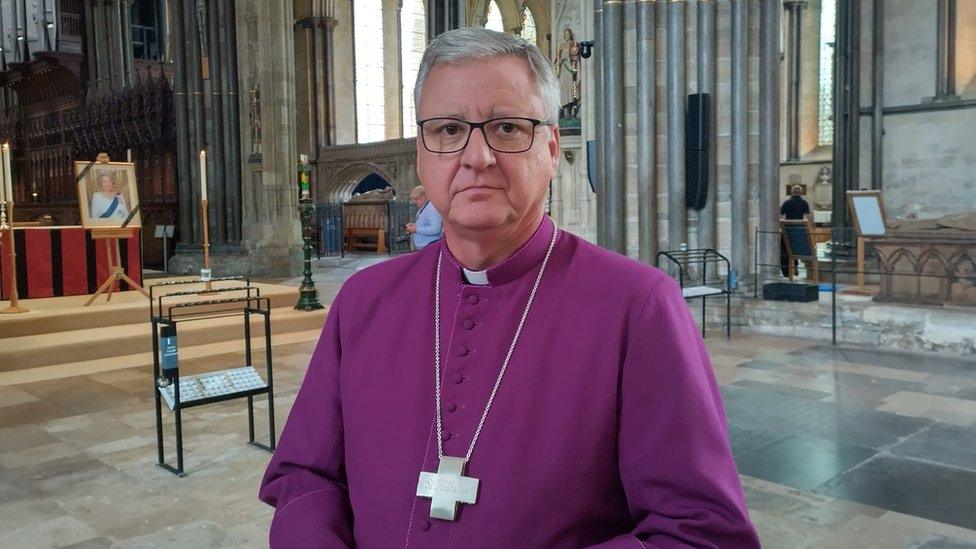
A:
(493, 18)
(828, 18)
(370, 92)
(413, 40)
(529, 30)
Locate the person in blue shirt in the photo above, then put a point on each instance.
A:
(427, 226)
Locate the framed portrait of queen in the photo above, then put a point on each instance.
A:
(107, 194)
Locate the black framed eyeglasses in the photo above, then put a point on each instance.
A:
(504, 135)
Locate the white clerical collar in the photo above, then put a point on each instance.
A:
(479, 278)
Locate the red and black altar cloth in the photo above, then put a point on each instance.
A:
(60, 261)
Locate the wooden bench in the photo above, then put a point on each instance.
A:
(364, 239)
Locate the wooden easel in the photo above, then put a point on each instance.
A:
(860, 288)
(110, 236)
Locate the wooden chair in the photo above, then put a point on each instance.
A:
(799, 237)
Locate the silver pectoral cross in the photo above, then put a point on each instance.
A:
(447, 488)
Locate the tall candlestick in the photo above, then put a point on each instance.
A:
(7, 179)
(203, 174)
(3, 186)
(11, 257)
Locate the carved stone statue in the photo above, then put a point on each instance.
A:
(255, 121)
(567, 64)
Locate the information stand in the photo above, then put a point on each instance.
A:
(170, 306)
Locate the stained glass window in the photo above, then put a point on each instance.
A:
(413, 38)
(370, 96)
(828, 17)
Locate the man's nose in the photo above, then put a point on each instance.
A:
(477, 155)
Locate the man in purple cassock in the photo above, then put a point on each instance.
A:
(510, 386)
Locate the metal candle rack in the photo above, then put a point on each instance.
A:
(168, 309)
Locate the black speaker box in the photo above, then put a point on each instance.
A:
(784, 291)
(697, 122)
(696, 179)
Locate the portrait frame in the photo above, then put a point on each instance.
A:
(92, 194)
(867, 210)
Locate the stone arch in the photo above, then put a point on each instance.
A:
(902, 270)
(344, 181)
(510, 11)
(543, 24)
(933, 284)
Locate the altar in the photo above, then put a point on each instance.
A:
(62, 261)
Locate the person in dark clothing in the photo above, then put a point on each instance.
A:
(794, 208)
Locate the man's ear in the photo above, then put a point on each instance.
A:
(554, 147)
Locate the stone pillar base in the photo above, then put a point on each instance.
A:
(270, 262)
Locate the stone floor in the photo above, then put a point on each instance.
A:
(838, 447)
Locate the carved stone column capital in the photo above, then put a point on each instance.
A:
(796, 5)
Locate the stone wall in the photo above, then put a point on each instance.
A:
(929, 155)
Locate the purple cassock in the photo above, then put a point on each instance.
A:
(607, 430)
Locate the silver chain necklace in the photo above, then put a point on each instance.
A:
(448, 487)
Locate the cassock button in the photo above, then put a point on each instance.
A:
(425, 525)
(473, 299)
(452, 407)
(463, 351)
(458, 378)
(469, 324)
(446, 436)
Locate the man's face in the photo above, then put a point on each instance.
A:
(478, 189)
(418, 201)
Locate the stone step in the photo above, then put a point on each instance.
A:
(62, 314)
(108, 342)
(223, 353)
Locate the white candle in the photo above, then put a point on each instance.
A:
(7, 179)
(203, 174)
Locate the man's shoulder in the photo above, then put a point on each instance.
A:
(386, 278)
(612, 271)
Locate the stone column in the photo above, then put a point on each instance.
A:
(706, 84)
(392, 53)
(847, 102)
(271, 230)
(207, 115)
(113, 30)
(232, 116)
(646, 180)
(945, 85)
(877, 92)
(103, 67)
(599, 119)
(91, 49)
(125, 51)
(613, 108)
(740, 136)
(794, 9)
(181, 114)
(677, 227)
(769, 74)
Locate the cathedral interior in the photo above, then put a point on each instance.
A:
(275, 143)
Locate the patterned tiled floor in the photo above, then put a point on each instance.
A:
(837, 448)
